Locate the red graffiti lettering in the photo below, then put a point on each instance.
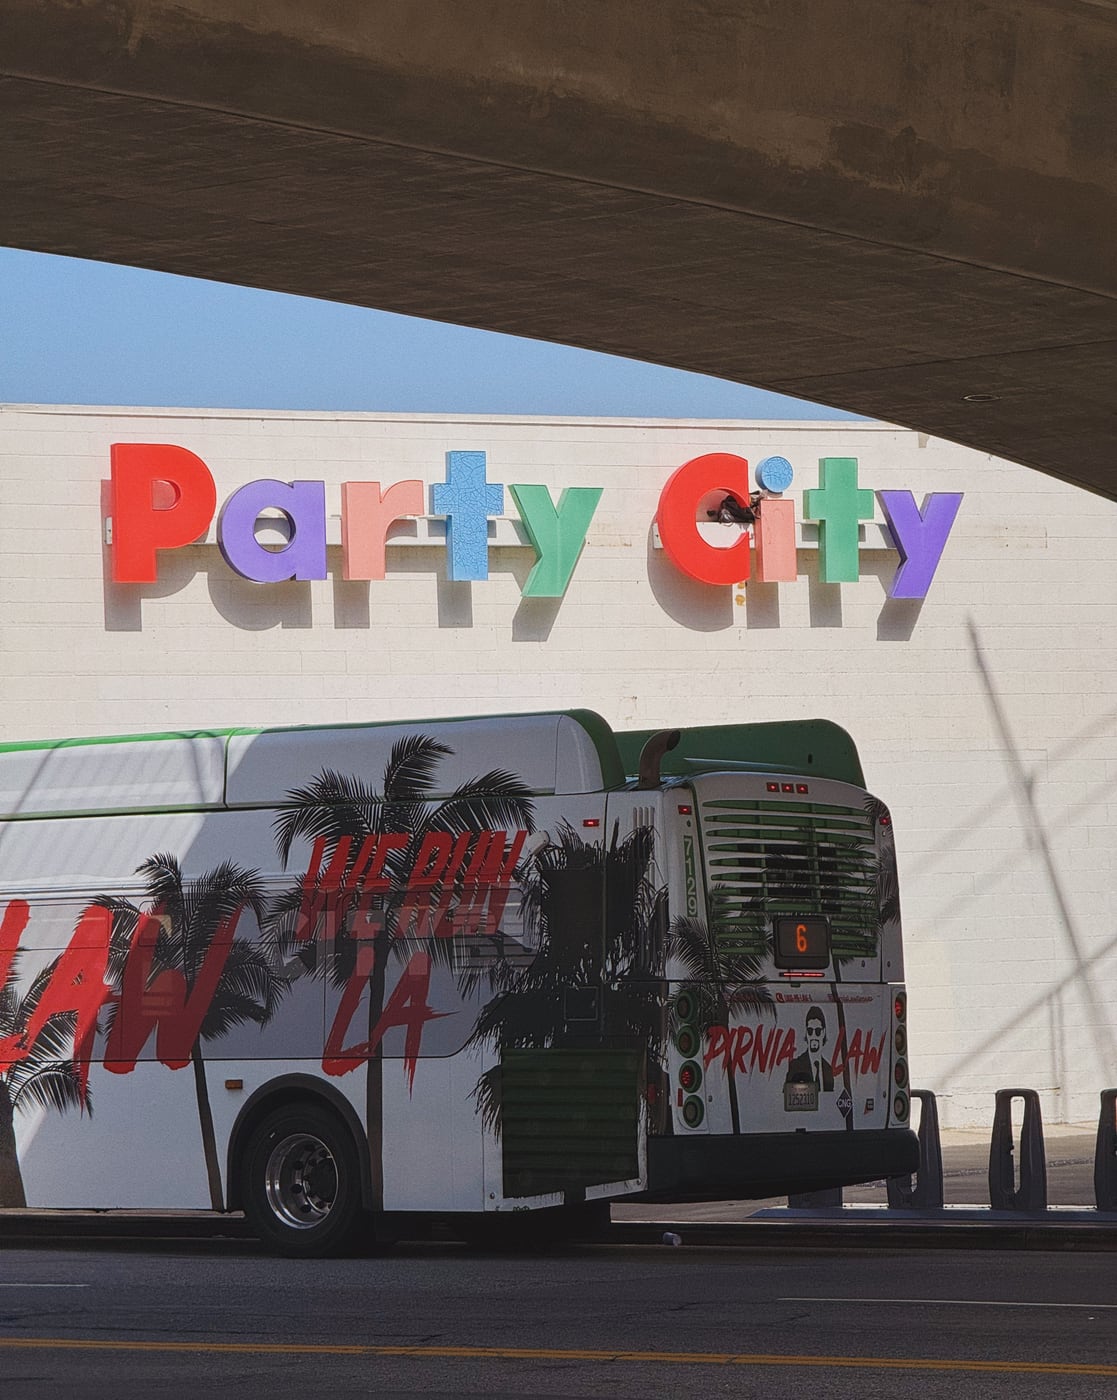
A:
(407, 1006)
(77, 986)
(749, 1049)
(870, 1056)
(717, 1042)
(497, 872)
(470, 897)
(374, 878)
(16, 916)
(437, 868)
(328, 895)
(321, 889)
(862, 1057)
(844, 1053)
(717, 1039)
(838, 1059)
(164, 1003)
(761, 1048)
(432, 860)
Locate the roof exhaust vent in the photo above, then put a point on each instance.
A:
(651, 756)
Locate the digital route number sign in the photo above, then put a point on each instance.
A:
(803, 945)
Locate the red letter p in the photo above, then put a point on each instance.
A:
(162, 498)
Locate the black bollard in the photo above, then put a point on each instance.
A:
(1004, 1194)
(1105, 1153)
(924, 1190)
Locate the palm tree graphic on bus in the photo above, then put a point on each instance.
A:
(45, 1075)
(394, 874)
(720, 961)
(596, 917)
(181, 950)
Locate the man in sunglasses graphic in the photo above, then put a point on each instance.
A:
(812, 1066)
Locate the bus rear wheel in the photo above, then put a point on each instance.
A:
(300, 1183)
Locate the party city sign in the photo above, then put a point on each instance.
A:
(164, 498)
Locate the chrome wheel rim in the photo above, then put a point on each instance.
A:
(300, 1181)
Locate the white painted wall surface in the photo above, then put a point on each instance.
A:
(986, 716)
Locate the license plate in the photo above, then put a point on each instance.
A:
(800, 1096)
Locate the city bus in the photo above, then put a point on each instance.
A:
(351, 979)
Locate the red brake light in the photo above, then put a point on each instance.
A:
(591, 821)
(773, 787)
(685, 811)
(801, 787)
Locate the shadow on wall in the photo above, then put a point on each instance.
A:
(261, 607)
(1022, 784)
(686, 601)
(705, 608)
(897, 619)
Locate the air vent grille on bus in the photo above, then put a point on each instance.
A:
(772, 858)
(570, 1118)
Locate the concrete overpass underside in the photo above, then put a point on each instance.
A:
(903, 209)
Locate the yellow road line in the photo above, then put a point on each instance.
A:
(679, 1358)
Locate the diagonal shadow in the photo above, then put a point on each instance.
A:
(1102, 725)
(1023, 785)
(1006, 866)
(1019, 1014)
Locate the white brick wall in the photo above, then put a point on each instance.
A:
(1007, 839)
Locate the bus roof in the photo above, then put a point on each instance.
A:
(806, 746)
(559, 752)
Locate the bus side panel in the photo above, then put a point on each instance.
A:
(433, 1157)
(140, 1150)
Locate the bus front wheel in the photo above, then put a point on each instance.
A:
(301, 1183)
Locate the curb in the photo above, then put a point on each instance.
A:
(958, 1228)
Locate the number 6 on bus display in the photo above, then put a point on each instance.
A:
(802, 944)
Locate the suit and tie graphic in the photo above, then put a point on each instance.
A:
(812, 1066)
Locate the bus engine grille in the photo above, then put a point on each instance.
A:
(767, 859)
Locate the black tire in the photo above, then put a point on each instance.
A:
(300, 1183)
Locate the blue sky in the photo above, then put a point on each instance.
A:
(92, 333)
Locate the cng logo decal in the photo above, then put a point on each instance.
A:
(164, 498)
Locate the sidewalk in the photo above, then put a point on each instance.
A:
(1069, 1149)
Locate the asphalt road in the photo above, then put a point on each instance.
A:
(221, 1319)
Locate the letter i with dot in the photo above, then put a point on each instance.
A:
(774, 532)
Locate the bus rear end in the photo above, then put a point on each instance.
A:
(787, 1053)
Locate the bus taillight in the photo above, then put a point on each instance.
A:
(690, 1076)
(694, 1110)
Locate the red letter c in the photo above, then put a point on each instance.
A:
(678, 524)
